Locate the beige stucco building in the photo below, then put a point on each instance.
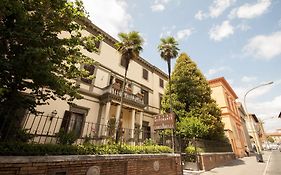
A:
(256, 131)
(226, 100)
(244, 118)
(94, 115)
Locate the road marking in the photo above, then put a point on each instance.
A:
(264, 172)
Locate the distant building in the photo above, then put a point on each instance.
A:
(226, 100)
(256, 130)
(244, 117)
(276, 136)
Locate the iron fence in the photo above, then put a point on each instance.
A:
(44, 129)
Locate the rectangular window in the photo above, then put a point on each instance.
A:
(91, 70)
(160, 100)
(97, 45)
(73, 122)
(146, 130)
(161, 82)
(145, 96)
(145, 74)
(123, 62)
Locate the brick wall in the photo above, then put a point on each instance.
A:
(212, 160)
(159, 164)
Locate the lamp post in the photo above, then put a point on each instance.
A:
(255, 136)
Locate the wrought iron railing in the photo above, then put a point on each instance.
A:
(128, 94)
(47, 129)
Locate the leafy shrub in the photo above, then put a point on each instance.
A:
(149, 142)
(24, 149)
(191, 150)
(66, 138)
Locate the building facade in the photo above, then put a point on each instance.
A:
(244, 118)
(94, 116)
(255, 130)
(225, 97)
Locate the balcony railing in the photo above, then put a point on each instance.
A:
(116, 91)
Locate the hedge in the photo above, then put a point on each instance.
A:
(24, 149)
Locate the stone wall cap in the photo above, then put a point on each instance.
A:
(65, 158)
(217, 153)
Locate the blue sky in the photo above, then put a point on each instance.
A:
(237, 39)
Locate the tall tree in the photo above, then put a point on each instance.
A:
(191, 96)
(168, 50)
(130, 47)
(37, 62)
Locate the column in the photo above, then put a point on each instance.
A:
(117, 117)
(106, 117)
(140, 122)
(132, 132)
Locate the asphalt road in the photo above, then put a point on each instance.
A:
(248, 166)
(274, 164)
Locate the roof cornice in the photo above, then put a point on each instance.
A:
(225, 83)
(92, 28)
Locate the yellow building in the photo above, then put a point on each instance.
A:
(94, 116)
(226, 100)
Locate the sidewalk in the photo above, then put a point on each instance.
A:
(241, 166)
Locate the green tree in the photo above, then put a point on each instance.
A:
(192, 127)
(130, 47)
(168, 50)
(37, 63)
(270, 139)
(191, 97)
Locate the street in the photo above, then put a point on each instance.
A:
(274, 167)
(248, 165)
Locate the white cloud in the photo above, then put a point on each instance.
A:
(216, 71)
(215, 10)
(159, 5)
(183, 34)
(264, 46)
(110, 15)
(263, 109)
(248, 79)
(244, 27)
(200, 15)
(253, 94)
(266, 110)
(218, 32)
(219, 6)
(248, 11)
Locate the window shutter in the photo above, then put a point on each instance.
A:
(65, 120)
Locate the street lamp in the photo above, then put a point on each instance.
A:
(259, 155)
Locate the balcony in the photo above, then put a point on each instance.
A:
(114, 91)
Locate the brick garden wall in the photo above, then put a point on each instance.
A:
(159, 164)
(212, 160)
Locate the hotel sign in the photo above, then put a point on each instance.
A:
(164, 121)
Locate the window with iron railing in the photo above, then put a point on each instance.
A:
(145, 96)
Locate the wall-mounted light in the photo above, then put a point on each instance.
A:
(53, 114)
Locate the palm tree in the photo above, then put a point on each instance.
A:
(129, 47)
(168, 50)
